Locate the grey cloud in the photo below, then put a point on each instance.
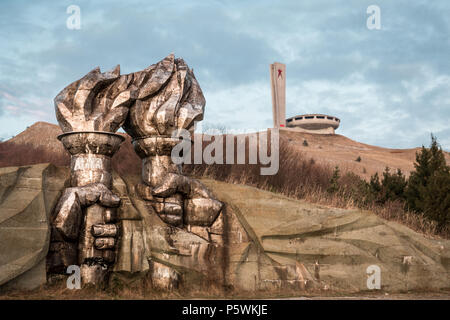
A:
(230, 44)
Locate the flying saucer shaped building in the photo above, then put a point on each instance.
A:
(314, 123)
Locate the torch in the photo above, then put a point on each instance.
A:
(168, 103)
(89, 111)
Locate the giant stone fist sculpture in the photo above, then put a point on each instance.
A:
(150, 104)
(170, 99)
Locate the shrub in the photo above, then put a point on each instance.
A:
(125, 161)
(12, 154)
(334, 181)
(297, 176)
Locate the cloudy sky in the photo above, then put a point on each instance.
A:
(390, 87)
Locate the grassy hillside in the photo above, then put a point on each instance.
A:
(306, 170)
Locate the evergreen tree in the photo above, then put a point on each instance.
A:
(436, 200)
(393, 185)
(428, 188)
(390, 188)
(375, 185)
(334, 181)
(428, 162)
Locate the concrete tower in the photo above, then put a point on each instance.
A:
(278, 86)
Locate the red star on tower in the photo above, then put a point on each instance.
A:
(280, 73)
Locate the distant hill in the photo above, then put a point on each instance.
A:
(330, 150)
(337, 150)
(42, 135)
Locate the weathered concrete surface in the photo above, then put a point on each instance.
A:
(170, 254)
(343, 242)
(27, 197)
(197, 257)
(261, 242)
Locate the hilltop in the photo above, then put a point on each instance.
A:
(40, 135)
(337, 150)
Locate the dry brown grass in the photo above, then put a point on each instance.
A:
(301, 177)
(60, 292)
(394, 211)
(13, 154)
(297, 176)
(130, 291)
(125, 161)
(338, 150)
